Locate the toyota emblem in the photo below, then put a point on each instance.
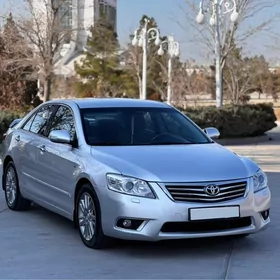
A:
(212, 190)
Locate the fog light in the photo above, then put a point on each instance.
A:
(265, 214)
(127, 223)
(131, 224)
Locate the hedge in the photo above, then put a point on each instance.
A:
(235, 121)
(232, 121)
(6, 118)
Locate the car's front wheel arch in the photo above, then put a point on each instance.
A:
(85, 213)
(5, 163)
(79, 185)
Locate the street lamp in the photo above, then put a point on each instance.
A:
(173, 50)
(142, 38)
(219, 8)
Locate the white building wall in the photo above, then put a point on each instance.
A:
(84, 17)
(84, 14)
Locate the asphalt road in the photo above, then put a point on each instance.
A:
(39, 244)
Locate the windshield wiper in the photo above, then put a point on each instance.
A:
(171, 143)
(106, 144)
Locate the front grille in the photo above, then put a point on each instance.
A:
(196, 192)
(206, 226)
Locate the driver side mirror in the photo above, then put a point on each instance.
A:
(60, 136)
(212, 132)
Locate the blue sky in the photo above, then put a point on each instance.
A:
(168, 13)
(165, 12)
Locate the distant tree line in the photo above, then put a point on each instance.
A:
(30, 48)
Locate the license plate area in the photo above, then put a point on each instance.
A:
(214, 213)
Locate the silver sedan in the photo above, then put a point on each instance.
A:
(131, 169)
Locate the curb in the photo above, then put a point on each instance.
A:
(243, 141)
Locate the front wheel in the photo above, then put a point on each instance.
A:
(14, 199)
(241, 236)
(88, 218)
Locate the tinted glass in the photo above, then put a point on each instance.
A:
(64, 120)
(27, 126)
(139, 126)
(39, 124)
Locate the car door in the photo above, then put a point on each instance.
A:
(58, 162)
(27, 144)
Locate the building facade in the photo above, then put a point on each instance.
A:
(75, 17)
(79, 16)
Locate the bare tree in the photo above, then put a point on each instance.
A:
(17, 87)
(273, 46)
(133, 64)
(46, 33)
(192, 83)
(231, 32)
(246, 75)
(189, 81)
(238, 79)
(133, 59)
(14, 51)
(267, 81)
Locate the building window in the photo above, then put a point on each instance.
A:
(65, 18)
(102, 9)
(112, 15)
(107, 12)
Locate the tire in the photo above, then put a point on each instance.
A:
(96, 239)
(14, 199)
(242, 236)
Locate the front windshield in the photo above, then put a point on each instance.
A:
(139, 126)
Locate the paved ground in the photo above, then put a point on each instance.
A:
(38, 244)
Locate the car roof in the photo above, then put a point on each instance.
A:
(84, 103)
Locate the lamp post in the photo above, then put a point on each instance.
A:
(173, 50)
(218, 9)
(142, 38)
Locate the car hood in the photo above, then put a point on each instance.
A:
(176, 163)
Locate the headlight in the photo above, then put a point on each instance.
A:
(260, 181)
(127, 185)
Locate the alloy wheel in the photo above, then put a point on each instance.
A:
(87, 216)
(11, 186)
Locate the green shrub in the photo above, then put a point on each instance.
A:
(6, 118)
(235, 121)
(232, 121)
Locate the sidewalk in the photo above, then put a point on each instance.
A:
(267, 153)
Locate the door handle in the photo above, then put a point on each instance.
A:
(42, 148)
(17, 138)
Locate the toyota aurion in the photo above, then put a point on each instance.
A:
(131, 169)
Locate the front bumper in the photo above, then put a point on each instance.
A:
(164, 218)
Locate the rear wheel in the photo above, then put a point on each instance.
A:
(14, 199)
(88, 218)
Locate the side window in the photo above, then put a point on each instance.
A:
(40, 121)
(64, 120)
(27, 126)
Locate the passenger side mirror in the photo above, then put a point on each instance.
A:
(60, 136)
(212, 132)
(14, 123)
